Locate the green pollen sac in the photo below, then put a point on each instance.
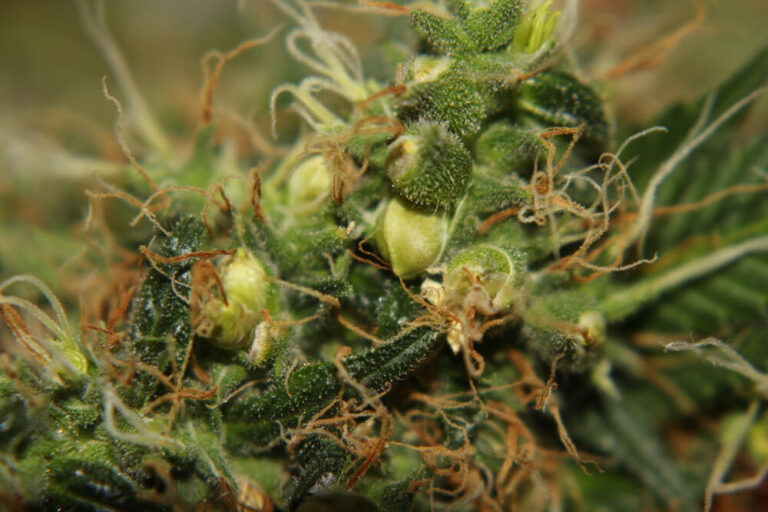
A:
(428, 165)
(494, 269)
(309, 184)
(410, 239)
(231, 324)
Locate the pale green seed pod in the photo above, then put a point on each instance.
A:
(231, 325)
(428, 165)
(499, 274)
(309, 184)
(409, 238)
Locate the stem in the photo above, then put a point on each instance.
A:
(621, 304)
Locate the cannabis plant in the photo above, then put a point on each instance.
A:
(466, 287)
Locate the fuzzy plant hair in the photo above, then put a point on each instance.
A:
(464, 287)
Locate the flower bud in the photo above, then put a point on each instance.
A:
(231, 323)
(536, 28)
(77, 359)
(410, 239)
(309, 184)
(428, 165)
(497, 272)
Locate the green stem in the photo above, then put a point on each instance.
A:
(623, 303)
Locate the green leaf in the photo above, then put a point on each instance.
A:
(316, 462)
(680, 118)
(737, 292)
(80, 485)
(310, 388)
(625, 433)
(159, 313)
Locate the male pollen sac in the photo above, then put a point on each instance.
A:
(494, 270)
(310, 182)
(428, 165)
(409, 238)
(247, 291)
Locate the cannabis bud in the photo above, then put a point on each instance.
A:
(428, 165)
(229, 321)
(409, 238)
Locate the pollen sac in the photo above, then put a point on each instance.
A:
(497, 272)
(229, 321)
(410, 239)
(428, 165)
(309, 184)
(556, 98)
